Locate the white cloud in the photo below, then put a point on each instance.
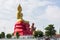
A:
(53, 13)
(7, 15)
(30, 5)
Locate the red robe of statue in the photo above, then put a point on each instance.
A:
(23, 28)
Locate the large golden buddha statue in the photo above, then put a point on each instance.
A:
(22, 26)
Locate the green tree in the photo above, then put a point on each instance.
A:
(2, 35)
(12, 34)
(50, 31)
(9, 36)
(17, 35)
(38, 34)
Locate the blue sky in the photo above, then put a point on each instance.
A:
(41, 12)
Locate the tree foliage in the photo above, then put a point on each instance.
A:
(9, 36)
(12, 34)
(50, 31)
(17, 35)
(2, 35)
(38, 34)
